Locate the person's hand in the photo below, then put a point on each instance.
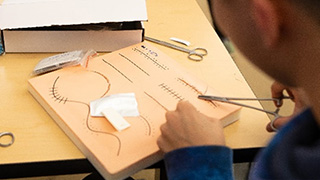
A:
(297, 95)
(188, 127)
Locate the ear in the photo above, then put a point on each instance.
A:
(267, 21)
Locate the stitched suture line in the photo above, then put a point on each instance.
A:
(156, 101)
(170, 91)
(96, 131)
(195, 89)
(154, 60)
(57, 97)
(190, 86)
(54, 92)
(150, 51)
(109, 85)
(117, 70)
(148, 124)
(134, 64)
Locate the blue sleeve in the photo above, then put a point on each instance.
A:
(200, 162)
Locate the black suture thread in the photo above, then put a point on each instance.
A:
(117, 70)
(134, 64)
(171, 91)
(152, 59)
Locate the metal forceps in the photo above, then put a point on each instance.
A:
(194, 54)
(2, 134)
(229, 100)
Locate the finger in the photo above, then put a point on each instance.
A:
(164, 129)
(173, 119)
(170, 115)
(269, 128)
(277, 92)
(277, 89)
(278, 123)
(164, 142)
(160, 141)
(291, 94)
(275, 127)
(183, 105)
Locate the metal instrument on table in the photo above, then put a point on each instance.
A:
(195, 54)
(4, 134)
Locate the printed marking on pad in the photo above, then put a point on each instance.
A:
(116, 120)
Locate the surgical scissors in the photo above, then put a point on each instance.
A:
(194, 54)
(228, 100)
(2, 134)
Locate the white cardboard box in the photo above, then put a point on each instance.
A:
(65, 25)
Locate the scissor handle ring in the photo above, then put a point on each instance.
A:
(276, 116)
(201, 51)
(7, 134)
(197, 56)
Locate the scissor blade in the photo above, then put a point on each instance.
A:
(167, 44)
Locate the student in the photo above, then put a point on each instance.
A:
(281, 37)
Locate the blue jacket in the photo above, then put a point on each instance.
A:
(294, 153)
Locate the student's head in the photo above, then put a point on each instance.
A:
(273, 34)
(311, 7)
